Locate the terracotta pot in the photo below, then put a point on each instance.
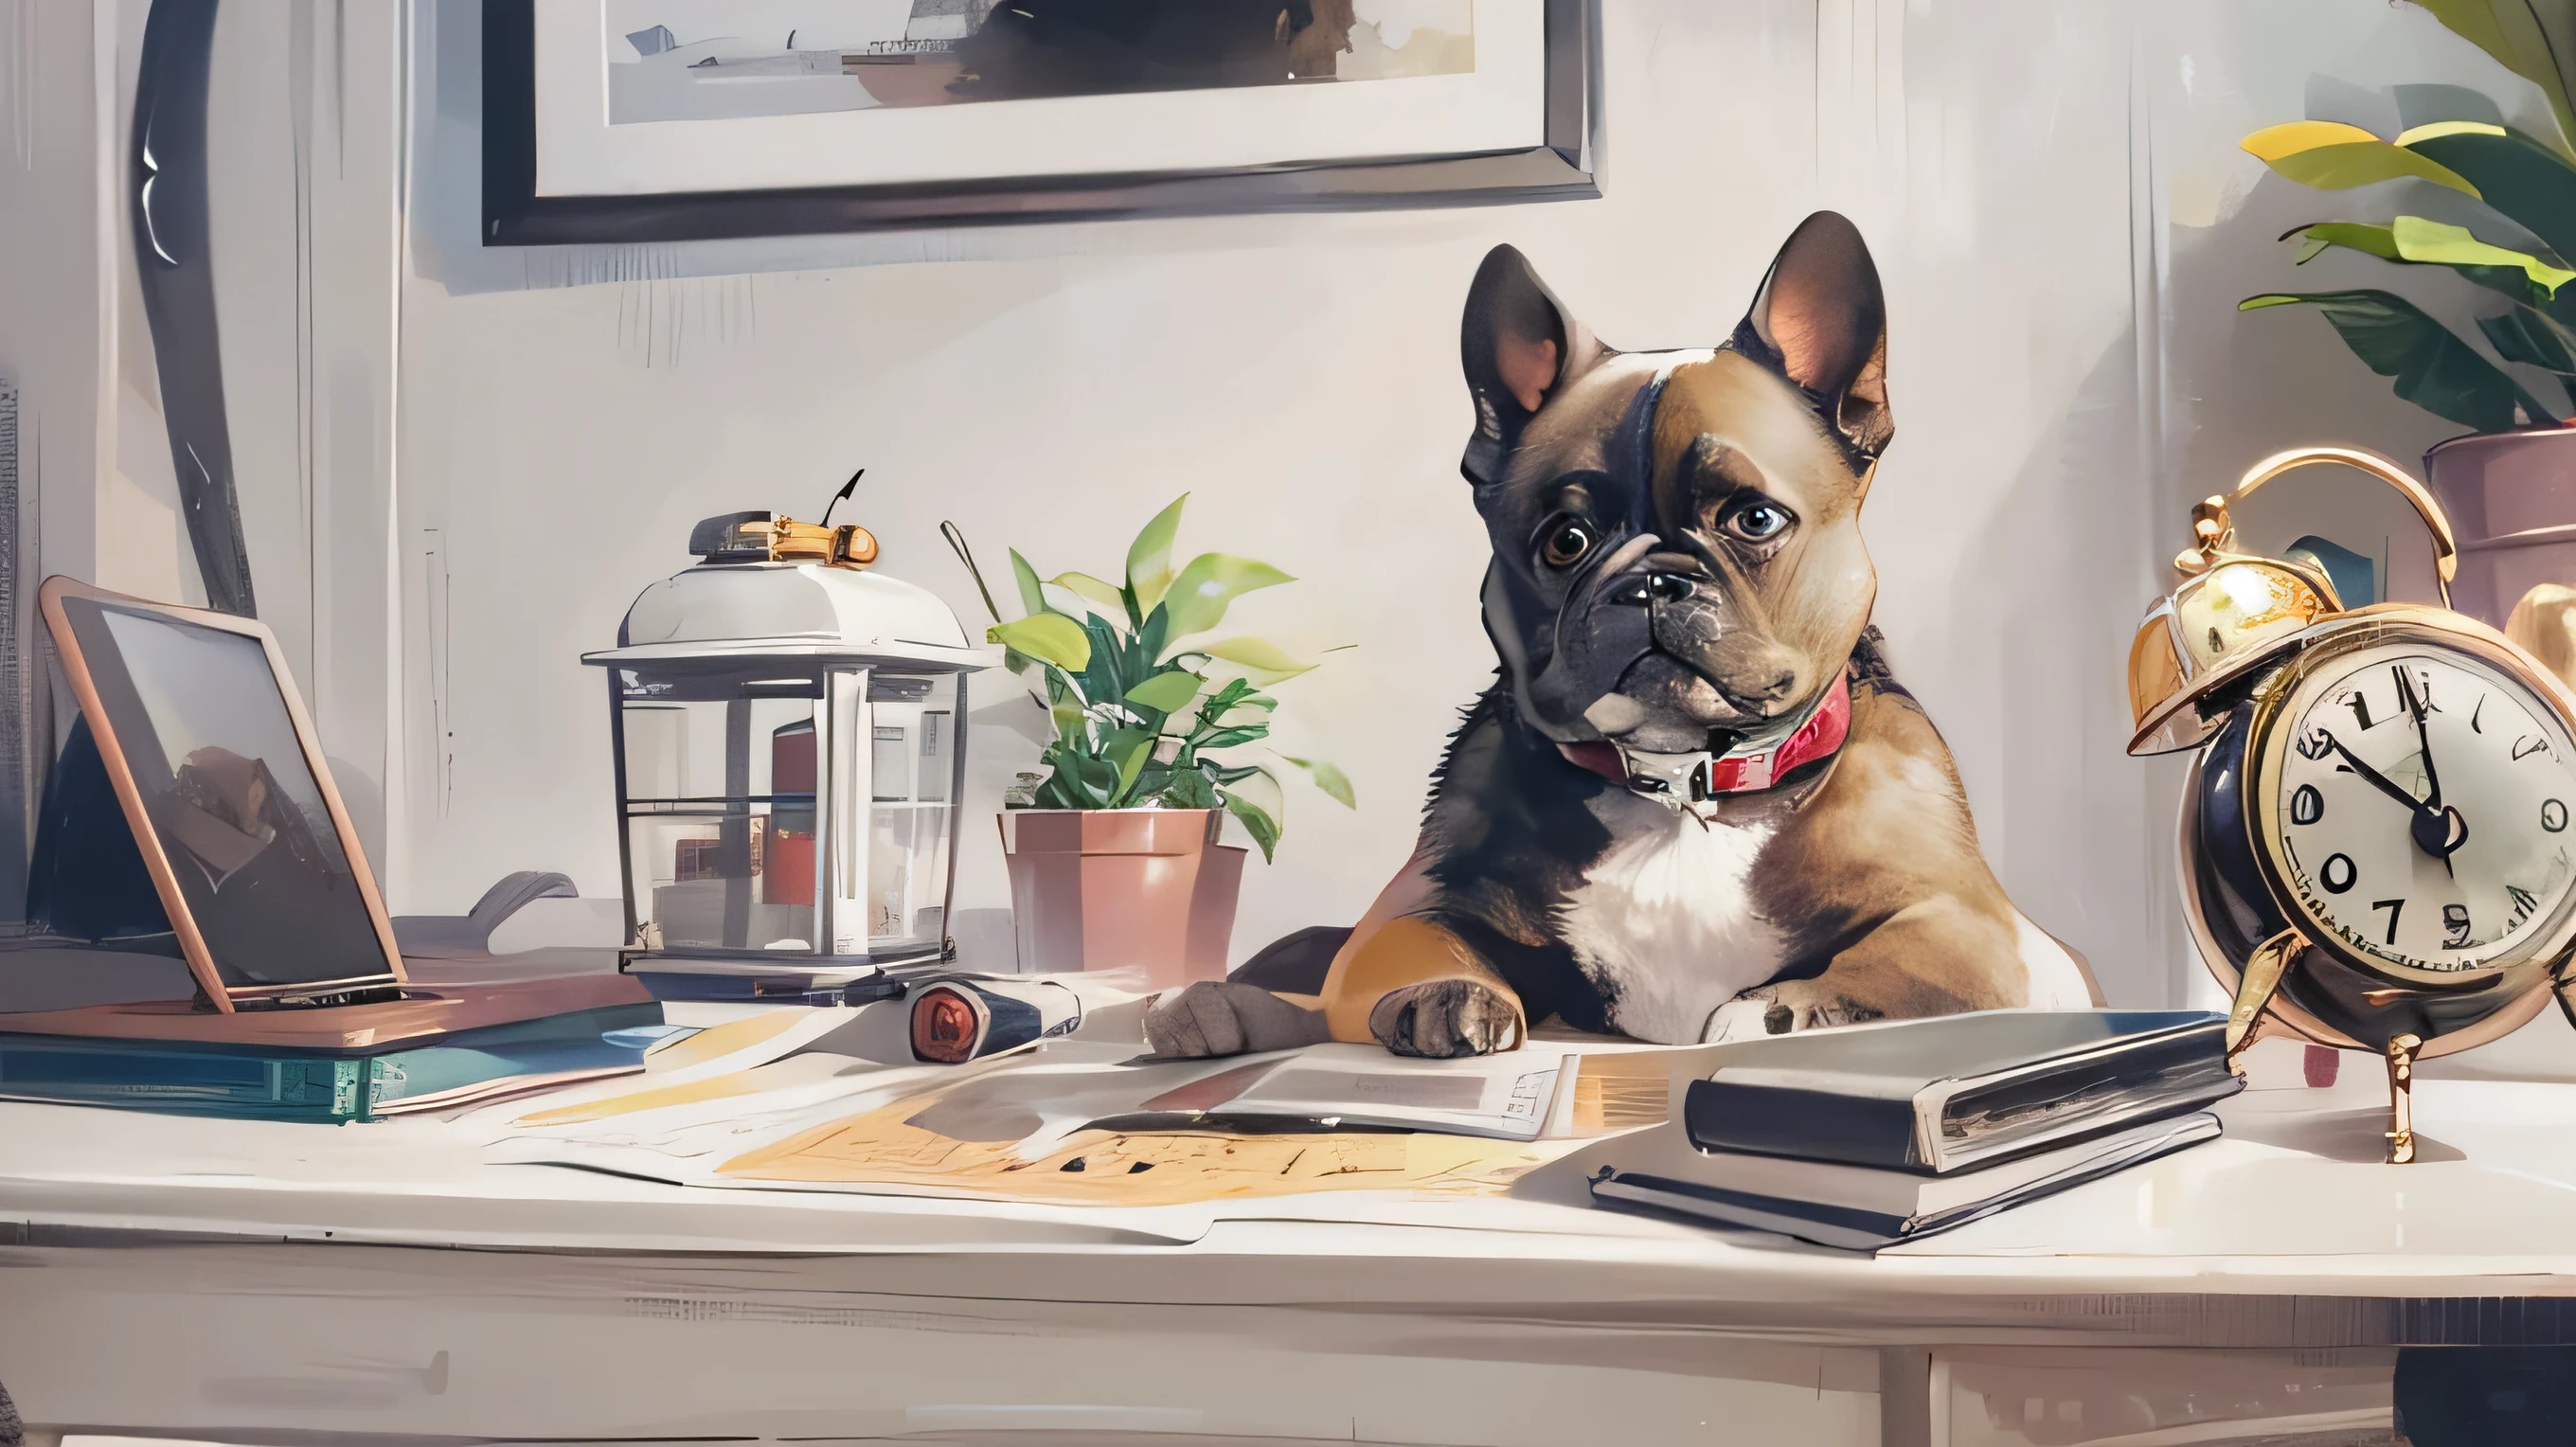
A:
(2512, 501)
(1103, 889)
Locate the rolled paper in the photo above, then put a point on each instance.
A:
(956, 1019)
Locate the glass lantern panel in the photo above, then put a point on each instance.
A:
(912, 766)
(720, 820)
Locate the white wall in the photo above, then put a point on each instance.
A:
(2053, 193)
(1049, 387)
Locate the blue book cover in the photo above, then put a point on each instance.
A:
(275, 1083)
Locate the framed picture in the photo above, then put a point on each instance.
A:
(216, 767)
(664, 120)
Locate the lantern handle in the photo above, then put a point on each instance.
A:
(2214, 532)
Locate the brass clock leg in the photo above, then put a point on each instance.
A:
(2401, 1089)
(2254, 990)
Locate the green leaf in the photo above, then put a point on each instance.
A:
(1168, 692)
(1046, 637)
(1327, 778)
(1032, 598)
(2412, 240)
(2434, 369)
(2535, 339)
(2332, 156)
(2524, 181)
(1263, 828)
(2534, 41)
(1230, 737)
(1091, 590)
(1189, 789)
(1264, 661)
(2436, 244)
(1126, 750)
(1070, 723)
(1149, 558)
(1105, 679)
(1199, 596)
(2353, 235)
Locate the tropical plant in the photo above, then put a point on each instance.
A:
(1146, 712)
(2529, 181)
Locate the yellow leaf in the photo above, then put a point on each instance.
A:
(1149, 558)
(2273, 142)
(1264, 661)
(1200, 593)
(2439, 129)
(1092, 590)
(1046, 637)
(2332, 156)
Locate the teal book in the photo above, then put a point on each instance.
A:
(278, 1083)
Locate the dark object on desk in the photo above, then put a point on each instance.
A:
(86, 880)
(2520, 1396)
(1861, 1209)
(315, 1083)
(1949, 1093)
(469, 935)
(956, 1018)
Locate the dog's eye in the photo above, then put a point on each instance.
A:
(1758, 522)
(1567, 544)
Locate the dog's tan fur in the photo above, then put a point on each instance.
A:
(1867, 871)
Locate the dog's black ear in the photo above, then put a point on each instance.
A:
(1820, 320)
(1516, 342)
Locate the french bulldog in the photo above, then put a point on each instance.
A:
(1694, 804)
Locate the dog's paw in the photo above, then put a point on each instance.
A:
(1445, 1019)
(1221, 1017)
(1782, 1009)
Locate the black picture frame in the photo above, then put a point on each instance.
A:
(1563, 167)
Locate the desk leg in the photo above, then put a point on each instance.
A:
(2401, 1091)
(1906, 1400)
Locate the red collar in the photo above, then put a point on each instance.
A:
(1743, 770)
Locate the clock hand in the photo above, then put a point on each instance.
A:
(2414, 703)
(2378, 780)
(2438, 832)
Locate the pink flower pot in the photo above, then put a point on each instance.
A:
(2511, 497)
(1103, 889)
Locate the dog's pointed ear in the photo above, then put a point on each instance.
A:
(1820, 320)
(1517, 342)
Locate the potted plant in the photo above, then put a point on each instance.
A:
(2509, 486)
(1114, 849)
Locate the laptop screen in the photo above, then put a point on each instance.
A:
(204, 729)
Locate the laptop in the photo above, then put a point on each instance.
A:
(216, 770)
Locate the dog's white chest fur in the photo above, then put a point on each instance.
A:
(1666, 924)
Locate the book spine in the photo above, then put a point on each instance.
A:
(2091, 1095)
(1772, 1120)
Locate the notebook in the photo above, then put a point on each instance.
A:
(1861, 1208)
(1952, 1092)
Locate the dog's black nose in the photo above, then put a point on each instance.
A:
(1655, 588)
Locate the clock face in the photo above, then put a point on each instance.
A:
(2419, 811)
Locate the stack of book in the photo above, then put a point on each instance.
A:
(1875, 1134)
(342, 1083)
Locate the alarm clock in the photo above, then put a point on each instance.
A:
(2376, 852)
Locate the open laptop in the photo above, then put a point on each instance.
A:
(266, 891)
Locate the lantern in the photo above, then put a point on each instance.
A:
(788, 730)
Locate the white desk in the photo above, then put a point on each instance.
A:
(262, 1282)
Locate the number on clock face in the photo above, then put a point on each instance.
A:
(2430, 844)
